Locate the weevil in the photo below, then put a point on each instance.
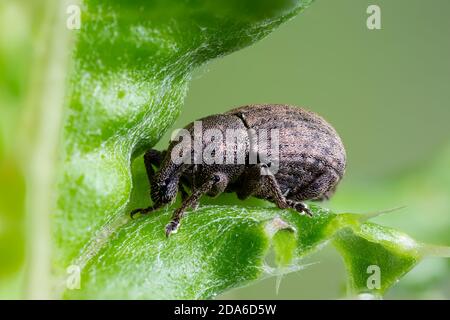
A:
(310, 158)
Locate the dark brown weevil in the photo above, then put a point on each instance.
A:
(310, 161)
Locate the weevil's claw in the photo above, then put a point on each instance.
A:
(300, 207)
(307, 211)
(172, 227)
(303, 208)
(140, 211)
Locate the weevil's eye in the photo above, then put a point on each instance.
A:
(167, 181)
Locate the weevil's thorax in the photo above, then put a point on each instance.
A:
(219, 143)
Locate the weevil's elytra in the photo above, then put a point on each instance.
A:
(311, 162)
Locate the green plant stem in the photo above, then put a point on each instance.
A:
(46, 102)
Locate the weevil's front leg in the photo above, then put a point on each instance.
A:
(151, 158)
(143, 210)
(273, 188)
(193, 199)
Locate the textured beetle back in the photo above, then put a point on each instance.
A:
(303, 135)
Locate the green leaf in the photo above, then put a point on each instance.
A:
(423, 190)
(131, 66)
(374, 252)
(219, 247)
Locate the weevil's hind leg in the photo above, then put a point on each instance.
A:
(299, 207)
(151, 158)
(250, 183)
(273, 189)
(192, 201)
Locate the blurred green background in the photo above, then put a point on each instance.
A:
(387, 92)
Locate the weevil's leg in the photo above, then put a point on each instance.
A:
(299, 206)
(193, 199)
(273, 188)
(151, 158)
(143, 211)
(251, 180)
